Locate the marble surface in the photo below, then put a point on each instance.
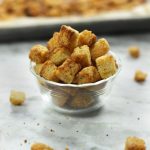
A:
(125, 114)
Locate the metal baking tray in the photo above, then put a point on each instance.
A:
(137, 19)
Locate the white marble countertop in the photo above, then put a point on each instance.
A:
(126, 113)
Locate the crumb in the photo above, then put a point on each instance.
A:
(135, 143)
(77, 131)
(17, 97)
(106, 134)
(25, 141)
(59, 123)
(140, 76)
(38, 124)
(52, 130)
(138, 118)
(134, 51)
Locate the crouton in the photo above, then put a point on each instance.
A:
(68, 37)
(59, 55)
(67, 71)
(53, 42)
(48, 71)
(59, 97)
(39, 54)
(134, 143)
(134, 51)
(40, 146)
(82, 55)
(17, 97)
(70, 91)
(100, 48)
(140, 76)
(81, 101)
(38, 68)
(88, 75)
(106, 66)
(86, 38)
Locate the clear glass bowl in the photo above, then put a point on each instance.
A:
(76, 99)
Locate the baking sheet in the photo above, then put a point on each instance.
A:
(114, 21)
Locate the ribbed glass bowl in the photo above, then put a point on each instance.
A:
(76, 99)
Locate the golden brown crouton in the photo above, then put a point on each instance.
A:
(140, 76)
(59, 98)
(100, 48)
(81, 101)
(82, 55)
(134, 51)
(38, 68)
(86, 38)
(48, 71)
(106, 66)
(53, 42)
(134, 143)
(88, 75)
(67, 71)
(68, 37)
(40, 146)
(59, 55)
(38, 54)
(17, 98)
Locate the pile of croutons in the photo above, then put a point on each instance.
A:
(74, 58)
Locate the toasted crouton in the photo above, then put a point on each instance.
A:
(40, 146)
(67, 71)
(134, 51)
(134, 143)
(17, 97)
(48, 71)
(38, 68)
(86, 38)
(82, 55)
(59, 97)
(100, 48)
(38, 54)
(53, 42)
(59, 55)
(106, 66)
(81, 101)
(140, 76)
(88, 75)
(68, 37)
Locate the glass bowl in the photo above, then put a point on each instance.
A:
(76, 99)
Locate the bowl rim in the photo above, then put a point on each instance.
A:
(118, 61)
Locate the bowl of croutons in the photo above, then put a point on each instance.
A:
(75, 71)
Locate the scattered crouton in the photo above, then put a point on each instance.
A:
(140, 76)
(17, 97)
(82, 55)
(86, 38)
(134, 51)
(40, 146)
(67, 71)
(39, 54)
(134, 143)
(100, 48)
(38, 68)
(81, 101)
(88, 75)
(59, 55)
(48, 71)
(106, 66)
(53, 42)
(68, 37)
